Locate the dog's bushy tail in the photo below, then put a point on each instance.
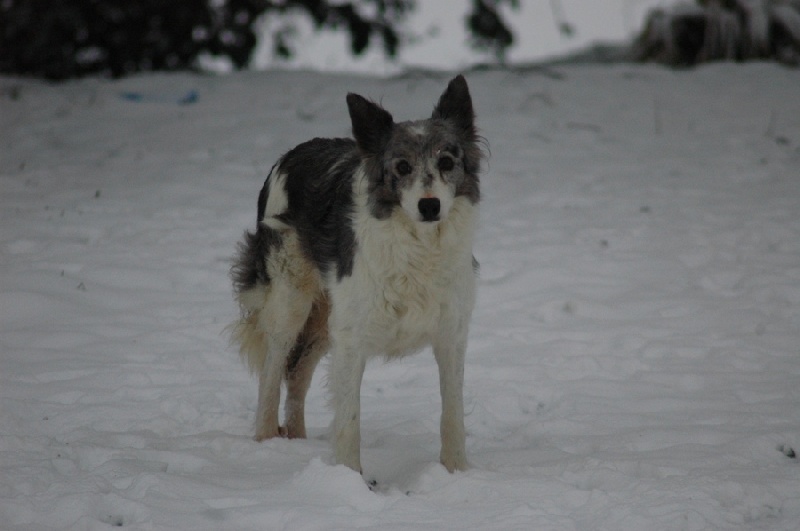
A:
(247, 332)
(250, 285)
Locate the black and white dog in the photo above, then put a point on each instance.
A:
(364, 246)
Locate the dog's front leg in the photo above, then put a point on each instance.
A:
(347, 368)
(450, 359)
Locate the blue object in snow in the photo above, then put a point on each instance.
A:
(189, 97)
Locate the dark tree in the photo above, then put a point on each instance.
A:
(60, 39)
(490, 32)
(71, 38)
(487, 28)
(346, 15)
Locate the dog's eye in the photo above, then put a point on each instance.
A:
(445, 163)
(403, 167)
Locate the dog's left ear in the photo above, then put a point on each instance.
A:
(455, 105)
(372, 124)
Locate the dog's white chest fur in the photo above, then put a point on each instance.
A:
(406, 278)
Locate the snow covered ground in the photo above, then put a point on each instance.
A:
(635, 352)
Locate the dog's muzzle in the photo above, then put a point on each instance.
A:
(429, 208)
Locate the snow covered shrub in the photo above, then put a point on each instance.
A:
(722, 30)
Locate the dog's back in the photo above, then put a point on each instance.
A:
(307, 191)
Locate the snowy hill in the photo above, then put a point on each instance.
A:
(634, 358)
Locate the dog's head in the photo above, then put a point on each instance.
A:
(422, 166)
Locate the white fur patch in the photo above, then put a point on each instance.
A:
(267, 309)
(406, 274)
(418, 129)
(277, 200)
(412, 285)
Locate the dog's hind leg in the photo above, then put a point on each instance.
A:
(282, 319)
(312, 344)
(293, 288)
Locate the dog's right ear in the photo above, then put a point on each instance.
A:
(372, 124)
(455, 105)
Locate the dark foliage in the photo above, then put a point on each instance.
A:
(63, 39)
(488, 29)
(722, 30)
(361, 28)
(72, 38)
(490, 32)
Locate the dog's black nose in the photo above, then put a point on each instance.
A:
(429, 208)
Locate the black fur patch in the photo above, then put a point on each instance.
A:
(250, 266)
(319, 186)
(455, 105)
(372, 124)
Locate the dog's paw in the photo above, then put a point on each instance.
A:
(455, 464)
(293, 432)
(265, 434)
